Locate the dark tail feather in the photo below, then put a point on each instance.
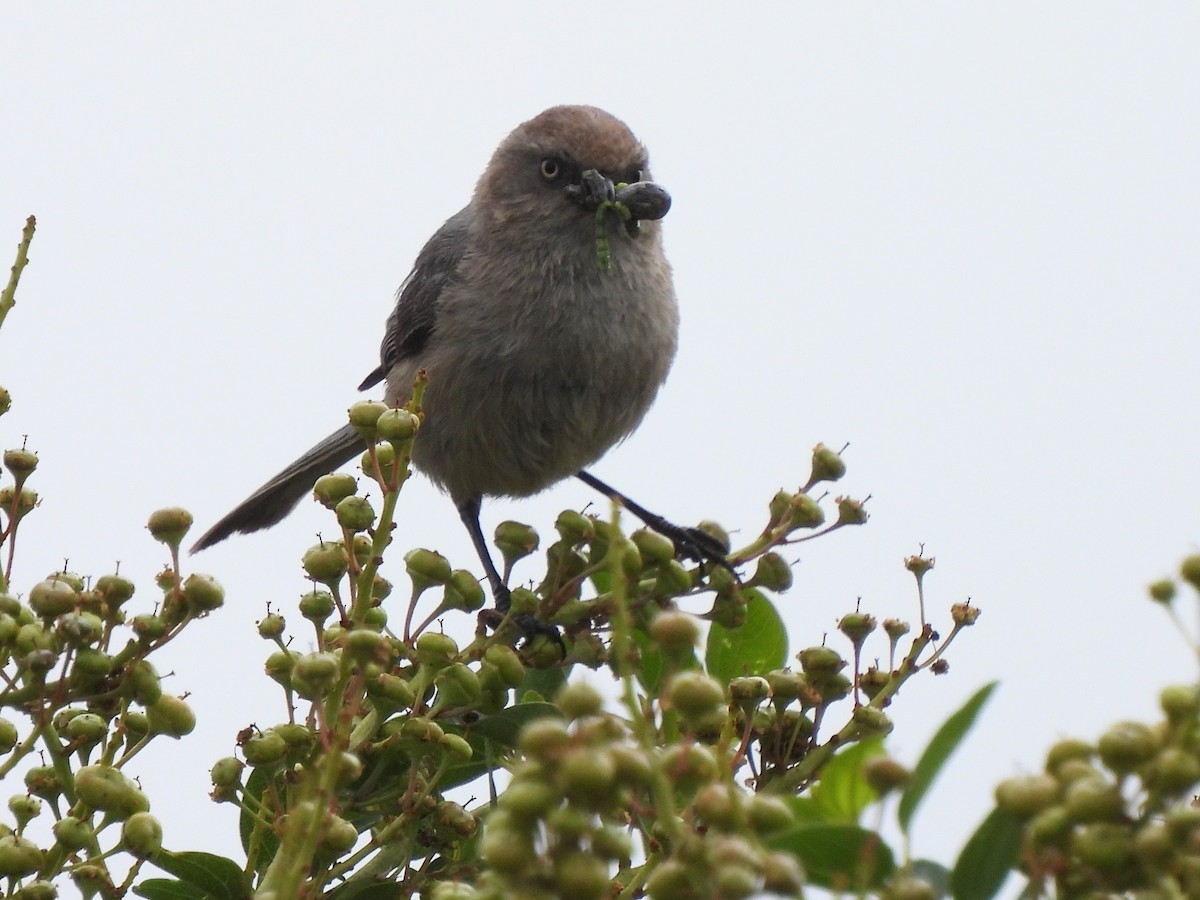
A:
(279, 496)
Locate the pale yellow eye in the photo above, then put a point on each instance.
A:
(550, 168)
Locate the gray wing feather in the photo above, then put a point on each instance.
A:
(275, 499)
(409, 328)
(414, 318)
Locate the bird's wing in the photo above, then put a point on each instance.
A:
(414, 317)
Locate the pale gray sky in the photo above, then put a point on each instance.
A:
(960, 236)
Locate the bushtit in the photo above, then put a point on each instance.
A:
(546, 326)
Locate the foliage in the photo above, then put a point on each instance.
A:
(726, 767)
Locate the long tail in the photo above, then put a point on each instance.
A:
(279, 496)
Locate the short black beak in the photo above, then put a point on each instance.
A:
(593, 190)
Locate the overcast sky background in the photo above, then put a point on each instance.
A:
(961, 237)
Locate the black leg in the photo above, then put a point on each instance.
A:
(468, 511)
(690, 542)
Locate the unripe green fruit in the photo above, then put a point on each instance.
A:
(264, 748)
(397, 425)
(1174, 770)
(714, 804)
(315, 674)
(587, 777)
(107, 789)
(1093, 800)
(143, 683)
(769, 814)
(72, 833)
(544, 739)
(364, 415)
(279, 666)
(326, 562)
(20, 462)
(435, 649)
(115, 589)
(170, 716)
(271, 626)
(148, 628)
(612, 843)
(820, 661)
(507, 663)
(5, 401)
(458, 686)
(857, 626)
(203, 593)
(339, 836)
(1105, 845)
(1189, 570)
(504, 847)
(23, 500)
(772, 572)
(227, 771)
(782, 874)
(24, 808)
(426, 568)
(749, 690)
(142, 835)
(669, 881)
(802, 511)
(376, 617)
(694, 694)
(527, 800)
(634, 769)
(896, 628)
(578, 699)
(1162, 591)
(53, 597)
(43, 781)
(170, 525)
(1066, 750)
(86, 729)
(18, 856)
(1026, 795)
(37, 890)
(317, 606)
(8, 735)
(1127, 745)
(872, 721)
(78, 629)
(515, 540)
(581, 875)
(355, 513)
(787, 686)
(457, 746)
(1180, 702)
(851, 511)
(886, 774)
(689, 766)
(827, 465)
(672, 579)
(463, 592)
(454, 890)
(365, 645)
(392, 688)
(1153, 845)
(575, 528)
(655, 548)
(332, 489)
(1050, 826)
(675, 633)
(908, 887)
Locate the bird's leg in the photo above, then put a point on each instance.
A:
(692, 543)
(468, 511)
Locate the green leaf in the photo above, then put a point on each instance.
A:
(989, 855)
(256, 785)
(838, 857)
(546, 682)
(932, 873)
(506, 725)
(168, 889)
(944, 743)
(216, 877)
(755, 648)
(842, 792)
(653, 666)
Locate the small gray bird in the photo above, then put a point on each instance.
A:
(544, 344)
